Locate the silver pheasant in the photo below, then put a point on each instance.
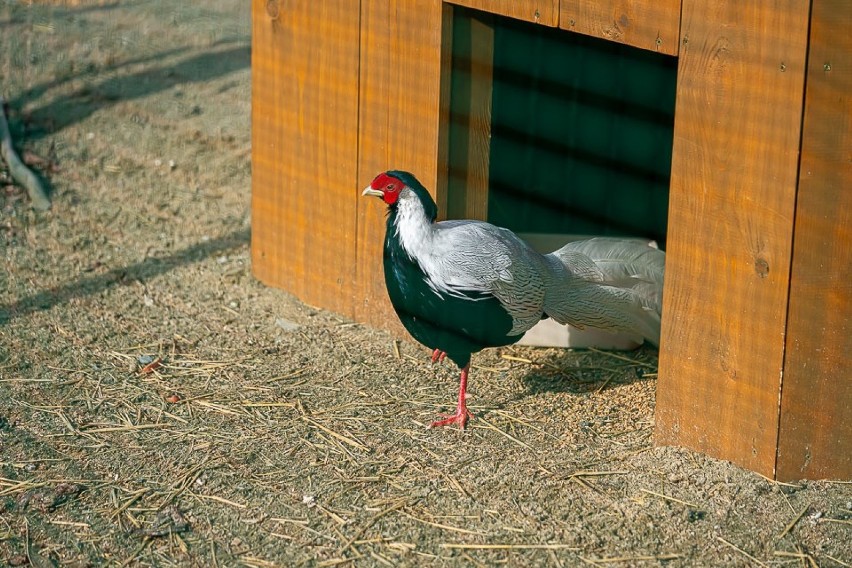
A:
(461, 286)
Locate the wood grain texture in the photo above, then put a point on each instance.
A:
(648, 24)
(733, 187)
(445, 109)
(399, 110)
(304, 148)
(470, 127)
(545, 12)
(815, 439)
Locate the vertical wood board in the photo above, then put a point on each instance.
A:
(304, 144)
(815, 439)
(545, 12)
(647, 24)
(734, 174)
(445, 108)
(470, 118)
(400, 103)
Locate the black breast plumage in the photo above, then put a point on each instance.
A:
(456, 324)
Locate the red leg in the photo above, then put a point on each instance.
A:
(462, 413)
(438, 356)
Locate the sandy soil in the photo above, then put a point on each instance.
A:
(159, 406)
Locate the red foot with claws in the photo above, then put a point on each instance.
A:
(460, 417)
(462, 414)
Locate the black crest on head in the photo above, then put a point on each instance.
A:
(422, 193)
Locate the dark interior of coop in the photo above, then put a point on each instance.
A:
(581, 130)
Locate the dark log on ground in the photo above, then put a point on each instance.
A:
(19, 171)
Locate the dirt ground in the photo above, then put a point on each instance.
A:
(159, 406)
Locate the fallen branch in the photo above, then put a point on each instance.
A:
(20, 172)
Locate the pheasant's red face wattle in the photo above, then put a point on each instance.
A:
(389, 186)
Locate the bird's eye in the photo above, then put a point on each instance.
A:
(390, 187)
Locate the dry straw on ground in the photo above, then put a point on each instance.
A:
(160, 407)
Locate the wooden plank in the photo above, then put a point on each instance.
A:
(400, 104)
(545, 12)
(733, 188)
(470, 119)
(304, 148)
(815, 440)
(648, 24)
(445, 109)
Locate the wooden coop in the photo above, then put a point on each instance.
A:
(721, 128)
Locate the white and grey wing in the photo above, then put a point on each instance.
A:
(478, 257)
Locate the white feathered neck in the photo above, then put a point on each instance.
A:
(412, 226)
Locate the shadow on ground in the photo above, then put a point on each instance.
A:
(139, 271)
(64, 111)
(580, 371)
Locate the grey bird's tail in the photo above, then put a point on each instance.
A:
(607, 283)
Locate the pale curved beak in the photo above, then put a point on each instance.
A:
(373, 192)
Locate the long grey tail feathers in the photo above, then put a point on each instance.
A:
(608, 283)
